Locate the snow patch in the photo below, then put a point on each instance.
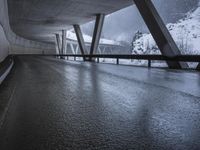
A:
(186, 33)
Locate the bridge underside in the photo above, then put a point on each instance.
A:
(74, 105)
(42, 19)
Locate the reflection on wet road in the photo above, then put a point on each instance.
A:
(75, 105)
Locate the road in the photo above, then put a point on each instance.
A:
(60, 105)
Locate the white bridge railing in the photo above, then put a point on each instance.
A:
(72, 47)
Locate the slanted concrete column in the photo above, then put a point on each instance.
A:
(64, 42)
(159, 32)
(80, 38)
(97, 33)
(58, 43)
(72, 48)
(66, 47)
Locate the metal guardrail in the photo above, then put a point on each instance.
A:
(149, 58)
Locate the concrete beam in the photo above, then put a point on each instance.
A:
(80, 38)
(64, 42)
(159, 32)
(58, 43)
(97, 33)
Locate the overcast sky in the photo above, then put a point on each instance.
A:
(123, 24)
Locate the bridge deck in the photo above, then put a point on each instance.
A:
(75, 105)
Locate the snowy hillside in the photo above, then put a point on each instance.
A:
(186, 33)
(72, 36)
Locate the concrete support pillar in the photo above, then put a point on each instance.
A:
(97, 33)
(66, 46)
(77, 47)
(72, 48)
(64, 42)
(159, 32)
(80, 38)
(58, 43)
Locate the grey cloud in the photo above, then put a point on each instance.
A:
(123, 24)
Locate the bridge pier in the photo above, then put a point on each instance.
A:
(80, 39)
(159, 32)
(58, 43)
(76, 51)
(64, 42)
(72, 48)
(97, 33)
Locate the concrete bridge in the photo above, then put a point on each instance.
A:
(51, 103)
(105, 46)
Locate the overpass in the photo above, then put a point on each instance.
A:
(105, 46)
(52, 103)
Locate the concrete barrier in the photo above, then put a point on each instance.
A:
(4, 45)
(7, 71)
(10, 43)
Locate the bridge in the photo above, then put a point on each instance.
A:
(50, 102)
(72, 47)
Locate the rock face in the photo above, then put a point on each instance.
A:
(185, 32)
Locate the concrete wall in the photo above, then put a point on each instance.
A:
(10, 43)
(4, 45)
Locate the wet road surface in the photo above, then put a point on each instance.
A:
(58, 105)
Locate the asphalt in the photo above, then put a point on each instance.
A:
(58, 105)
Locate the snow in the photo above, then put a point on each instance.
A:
(186, 33)
(88, 39)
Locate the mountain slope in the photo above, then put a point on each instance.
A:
(186, 33)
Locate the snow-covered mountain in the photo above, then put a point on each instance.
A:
(185, 32)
